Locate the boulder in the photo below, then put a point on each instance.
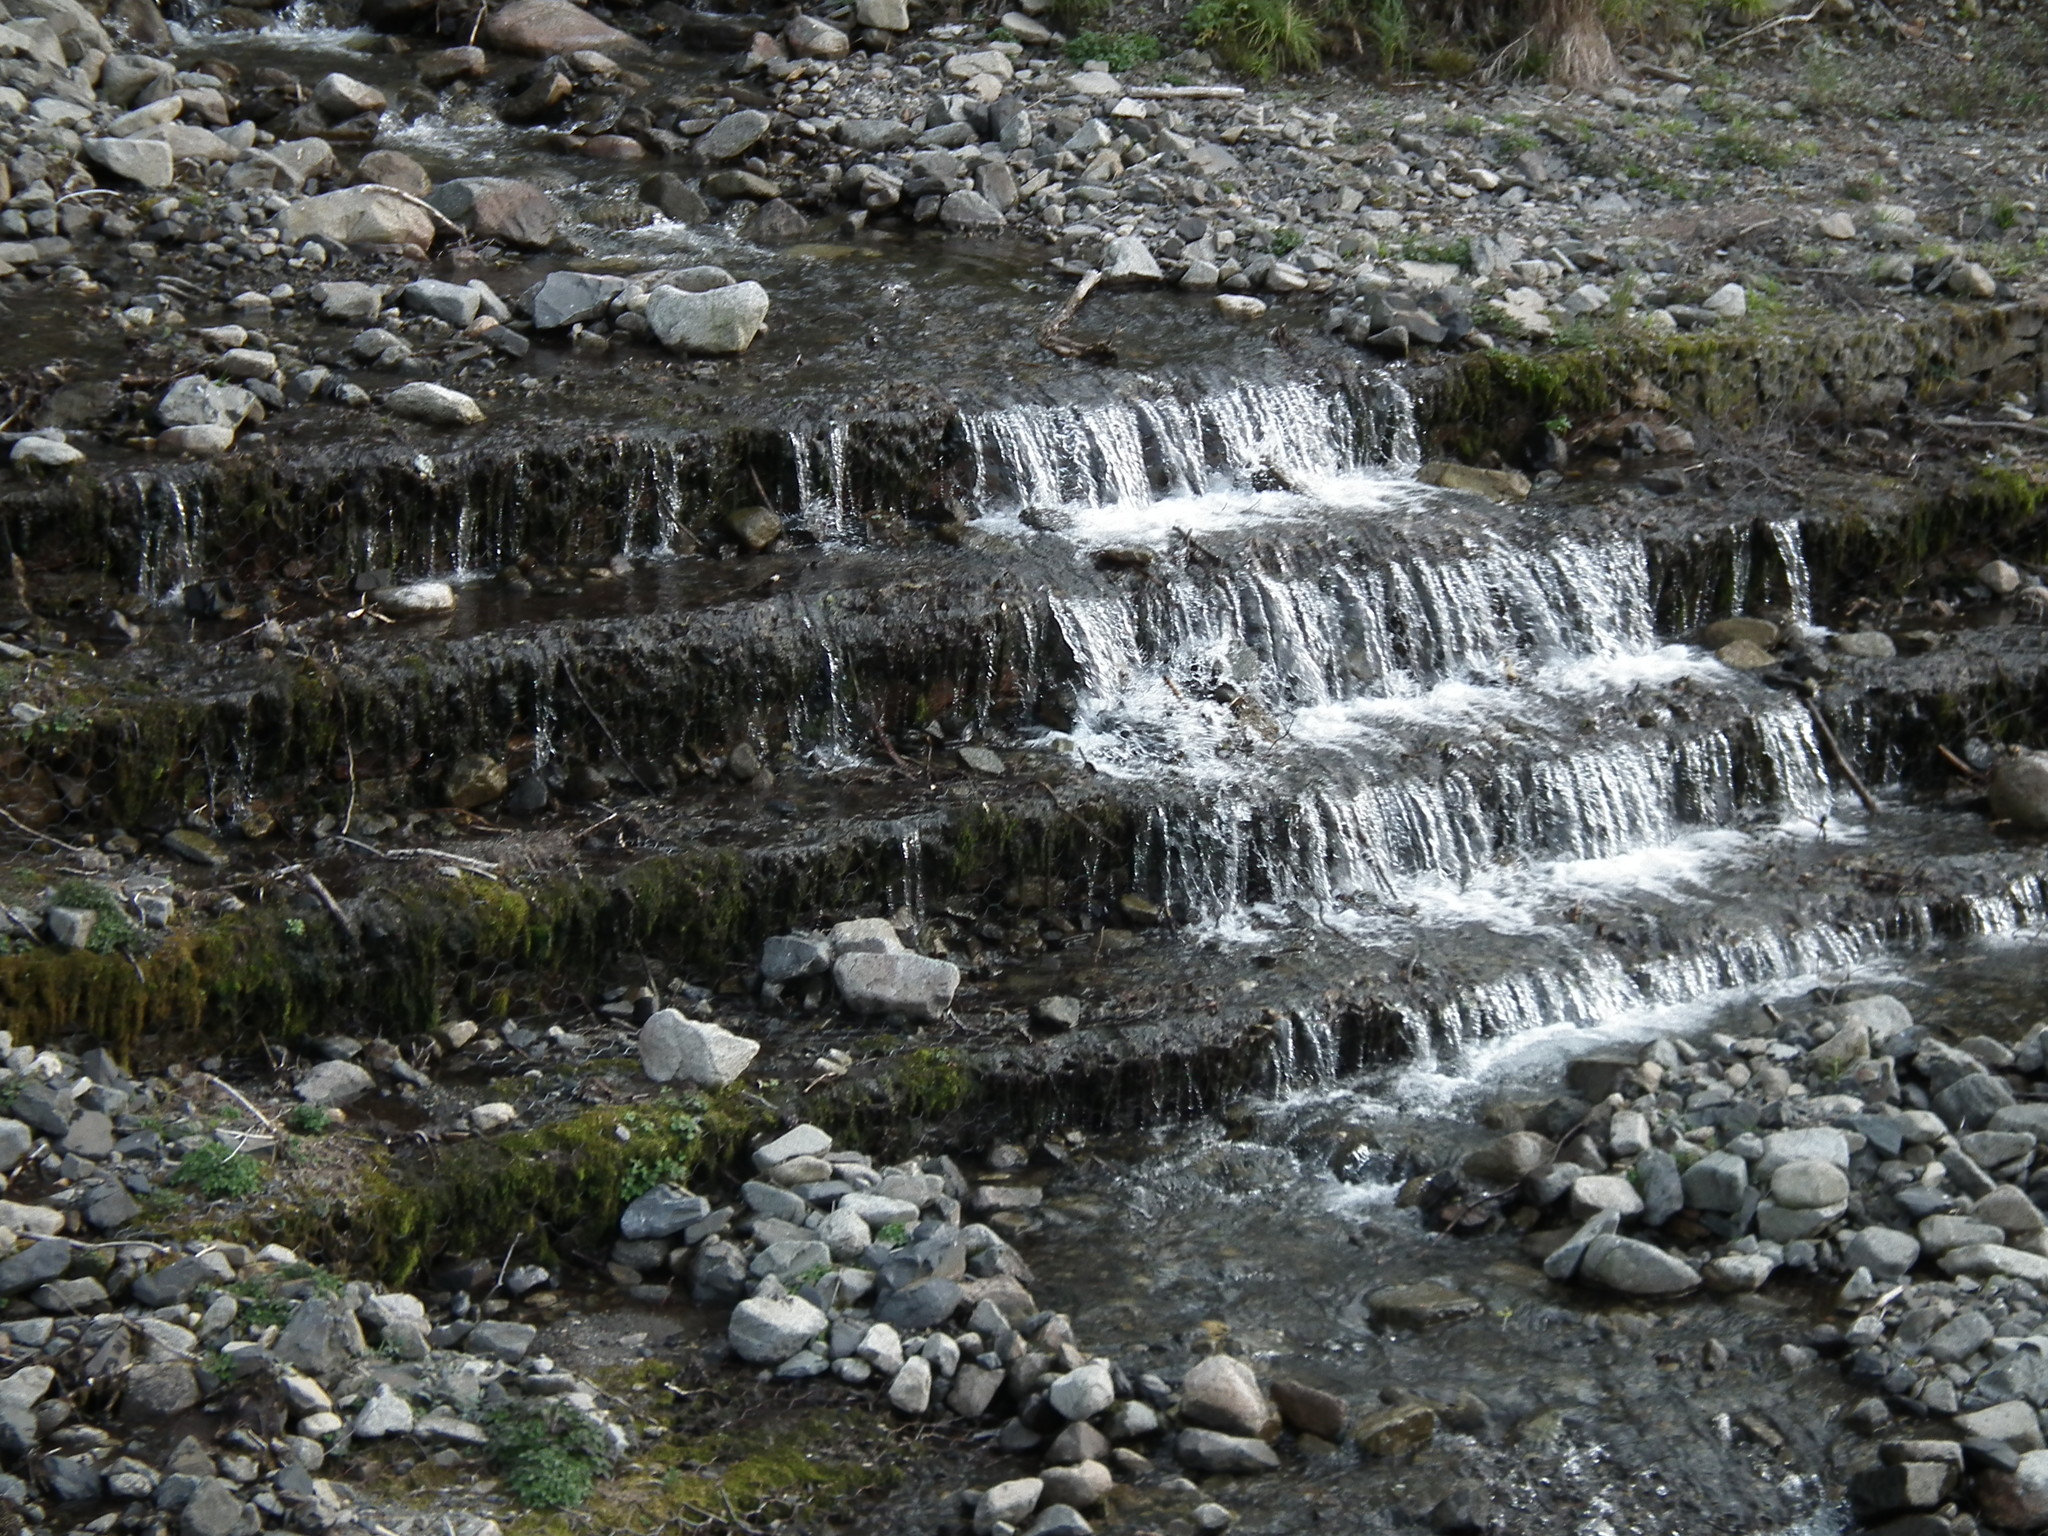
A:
(541, 28)
(809, 38)
(370, 215)
(675, 1048)
(146, 162)
(389, 168)
(1637, 1268)
(719, 322)
(454, 303)
(768, 1330)
(334, 1083)
(731, 136)
(1222, 1393)
(501, 208)
(343, 96)
(2019, 790)
(196, 402)
(1509, 1158)
(1084, 1391)
(912, 985)
(563, 299)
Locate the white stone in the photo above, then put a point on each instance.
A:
(486, 1118)
(1730, 301)
(673, 1047)
(1087, 1390)
(911, 1392)
(435, 404)
(384, 1414)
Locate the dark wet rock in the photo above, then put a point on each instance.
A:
(731, 136)
(1419, 1304)
(562, 299)
(33, 1265)
(675, 197)
(1309, 1411)
(1398, 1430)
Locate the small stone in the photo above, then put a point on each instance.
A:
(768, 1331)
(1084, 1392)
(1971, 281)
(1865, 644)
(334, 1083)
(910, 1393)
(435, 404)
(1058, 1013)
(1399, 1430)
(1730, 301)
(1220, 1392)
(1007, 1504)
(1207, 1450)
(343, 96)
(386, 1413)
(1838, 226)
(486, 1118)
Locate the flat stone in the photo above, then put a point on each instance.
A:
(1207, 1450)
(1419, 1304)
(563, 299)
(731, 136)
(1399, 1430)
(540, 28)
(768, 1331)
(368, 215)
(1985, 1259)
(913, 985)
(1636, 1268)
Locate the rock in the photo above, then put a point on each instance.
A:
(505, 209)
(475, 781)
(662, 1212)
(1396, 1431)
(1809, 1185)
(15, 1141)
(673, 1047)
(1879, 1491)
(2019, 790)
(1864, 644)
(1312, 1412)
(540, 28)
(1495, 485)
(197, 402)
(1730, 301)
(969, 213)
(333, 1083)
(912, 985)
(369, 215)
(910, 1393)
(1984, 1259)
(418, 598)
(455, 303)
(769, 1331)
(1737, 1272)
(2012, 1423)
(343, 96)
(1742, 656)
(775, 222)
(1968, 280)
(146, 162)
(802, 1141)
(1059, 1520)
(1837, 226)
(2000, 577)
(1220, 1392)
(563, 299)
(350, 303)
(1205, 1450)
(1509, 1158)
(1128, 259)
(1885, 1253)
(1084, 1485)
(486, 1118)
(675, 197)
(1008, 1504)
(1823, 1143)
(507, 1343)
(213, 1510)
(2015, 1500)
(1057, 1013)
(731, 136)
(809, 38)
(44, 453)
(155, 1392)
(2010, 1210)
(1969, 1102)
(1636, 1268)
(386, 1413)
(70, 927)
(1605, 1192)
(1758, 632)
(790, 957)
(755, 527)
(720, 322)
(1083, 1392)
(321, 1338)
(434, 404)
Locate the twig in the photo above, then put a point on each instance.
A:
(1774, 22)
(1049, 334)
(1827, 736)
(478, 25)
(498, 1284)
(2028, 427)
(35, 832)
(569, 674)
(1960, 766)
(262, 1119)
(326, 899)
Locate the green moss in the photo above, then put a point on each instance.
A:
(561, 1185)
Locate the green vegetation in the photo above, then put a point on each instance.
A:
(1743, 143)
(1285, 241)
(549, 1455)
(307, 1120)
(1119, 50)
(112, 929)
(678, 1134)
(1260, 38)
(218, 1173)
(894, 1235)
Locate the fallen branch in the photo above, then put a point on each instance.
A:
(262, 1119)
(1827, 736)
(44, 836)
(1761, 27)
(326, 899)
(1185, 92)
(2032, 429)
(1049, 334)
(1961, 767)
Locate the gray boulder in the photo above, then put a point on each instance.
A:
(1221, 1392)
(435, 404)
(500, 208)
(455, 303)
(1206, 1450)
(320, 1338)
(196, 402)
(563, 299)
(720, 322)
(662, 1212)
(1636, 1268)
(334, 1083)
(768, 1331)
(732, 136)
(899, 982)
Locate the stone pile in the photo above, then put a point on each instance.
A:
(1849, 1143)
(868, 966)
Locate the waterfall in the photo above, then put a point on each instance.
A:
(1133, 452)
(1790, 542)
(821, 482)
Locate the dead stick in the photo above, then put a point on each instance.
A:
(38, 833)
(1959, 765)
(1827, 737)
(262, 1119)
(1049, 334)
(326, 899)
